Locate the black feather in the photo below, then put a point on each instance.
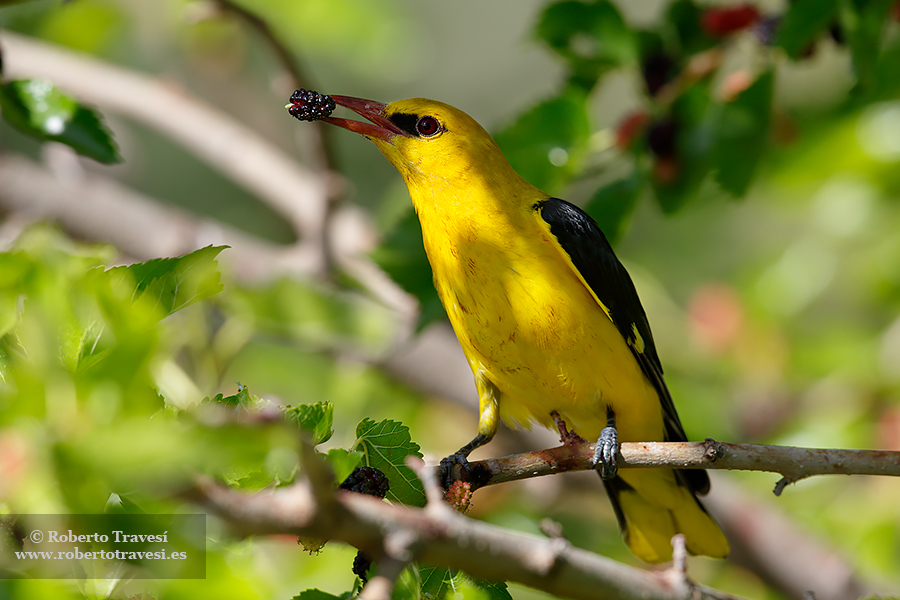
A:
(580, 236)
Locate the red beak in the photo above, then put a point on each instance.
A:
(380, 126)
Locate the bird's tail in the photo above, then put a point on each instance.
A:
(652, 505)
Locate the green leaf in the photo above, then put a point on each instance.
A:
(342, 462)
(317, 594)
(315, 419)
(864, 24)
(174, 283)
(686, 18)
(803, 21)
(545, 145)
(40, 110)
(887, 73)
(314, 314)
(402, 256)
(256, 480)
(591, 36)
(691, 113)
(613, 203)
(243, 397)
(385, 446)
(437, 582)
(742, 132)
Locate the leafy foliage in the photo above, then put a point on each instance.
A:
(385, 446)
(314, 419)
(39, 109)
(784, 305)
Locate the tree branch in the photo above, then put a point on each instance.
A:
(791, 462)
(228, 146)
(444, 537)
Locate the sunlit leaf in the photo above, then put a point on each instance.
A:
(39, 109)
(314, 314)
(439, 582)
(314, 419)
(385, 446)
(317, 594)
(174, 283)
(243, 397)
(342, 462)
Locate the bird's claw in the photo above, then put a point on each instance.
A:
(454, 468)
(606, 452)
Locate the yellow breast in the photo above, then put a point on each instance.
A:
(525, 320)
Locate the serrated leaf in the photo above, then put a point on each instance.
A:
(803, 21)
(742, 132)
(437, 582)
(342, 462)
(545, 144)
(174, 283)
(243, 397)
(40, 110)
(494, 590)
(315, 419)
(385, 446)
(401, 255)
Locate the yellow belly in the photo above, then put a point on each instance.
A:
(526, 321)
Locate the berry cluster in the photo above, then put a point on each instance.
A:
(369, 481)
(308, 105)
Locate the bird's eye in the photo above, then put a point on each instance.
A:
(427, 126)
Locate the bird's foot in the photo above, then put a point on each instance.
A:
(454, 468)
(565, 436)
(606, 450)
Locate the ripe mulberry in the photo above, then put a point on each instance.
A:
(308, 105)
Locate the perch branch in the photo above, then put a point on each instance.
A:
(444, 538)
(791, 462)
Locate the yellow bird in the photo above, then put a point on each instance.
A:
(547, 316)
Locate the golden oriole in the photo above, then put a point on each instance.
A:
(547, 316)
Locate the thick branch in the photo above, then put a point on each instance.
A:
(444, 537)
(791, 462)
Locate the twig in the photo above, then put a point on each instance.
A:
(452, 540)
(791, 462)
(228, 146)
(382, 584)
(320, 137)
(93, 207)
(768, 542)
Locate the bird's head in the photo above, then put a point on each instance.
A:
(426, 139)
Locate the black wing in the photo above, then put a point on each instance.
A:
(592, 256)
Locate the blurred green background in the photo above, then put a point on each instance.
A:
(762, 230)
